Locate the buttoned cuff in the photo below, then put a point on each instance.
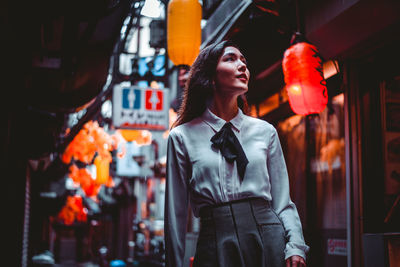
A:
(294, 249)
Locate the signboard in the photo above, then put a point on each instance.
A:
(337, 246)
(140, 108)
(128, 166)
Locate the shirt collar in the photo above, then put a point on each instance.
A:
(216, 123)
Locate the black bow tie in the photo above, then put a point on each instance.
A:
(226, 141)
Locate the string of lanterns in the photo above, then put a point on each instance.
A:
(91, 145)
(302, 64)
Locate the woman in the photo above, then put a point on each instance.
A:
(231, 168)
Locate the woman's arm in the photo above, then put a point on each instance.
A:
(281, 202)
(176, 202)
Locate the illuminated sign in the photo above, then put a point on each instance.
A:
(140, 108)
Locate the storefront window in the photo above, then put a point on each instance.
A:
(390, 104)
(315, 155)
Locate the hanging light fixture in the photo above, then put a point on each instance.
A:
(305, 83)
(183, 31)
(102, 169)
(151, 9)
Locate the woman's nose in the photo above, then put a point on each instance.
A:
(242, 66)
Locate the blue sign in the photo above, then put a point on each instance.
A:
(131, 98)
(158, 68)
(140, 107)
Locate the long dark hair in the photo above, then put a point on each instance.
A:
(200, 86)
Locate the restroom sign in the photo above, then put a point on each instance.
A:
(154, 100)
(140, 108)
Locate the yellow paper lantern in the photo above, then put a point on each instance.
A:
(183, 31)
(102, 170)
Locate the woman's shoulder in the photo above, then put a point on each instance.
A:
(183, 128)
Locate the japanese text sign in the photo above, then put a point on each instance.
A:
(140, 108)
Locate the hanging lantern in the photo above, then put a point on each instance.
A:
(102, 170)
(73, 211)
(183, 31)
(141, 137)
(305, 83)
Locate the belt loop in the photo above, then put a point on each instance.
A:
(252, 210)
(251, 205)
(215, 231)
(233, 216)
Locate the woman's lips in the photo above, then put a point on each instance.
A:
(242, 77)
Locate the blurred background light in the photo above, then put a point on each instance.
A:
(151, 9)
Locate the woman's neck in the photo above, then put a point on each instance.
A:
(224, 107)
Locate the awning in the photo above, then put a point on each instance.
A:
(221, 21)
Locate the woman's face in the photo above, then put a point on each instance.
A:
(232, 75)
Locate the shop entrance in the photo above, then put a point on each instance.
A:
(314, 150)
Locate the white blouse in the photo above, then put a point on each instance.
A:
(199, 172)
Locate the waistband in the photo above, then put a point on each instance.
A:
(240, 204)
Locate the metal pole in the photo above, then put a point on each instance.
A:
(311, 189)
(25, 230)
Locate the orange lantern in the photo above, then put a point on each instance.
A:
(89, 140)
(305, 83)
(73, 210)
(102, 169)
(83, 178)
(183, 31)
(141, 137)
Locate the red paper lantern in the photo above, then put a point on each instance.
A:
(305, 83)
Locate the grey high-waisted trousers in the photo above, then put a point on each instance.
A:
(244, 233)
